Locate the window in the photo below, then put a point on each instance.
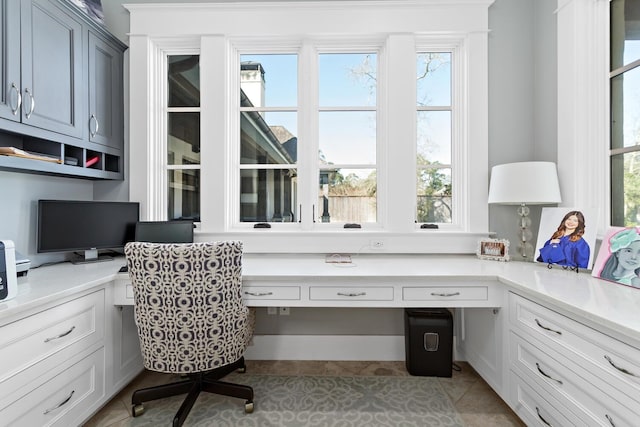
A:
(309, 119)
(625, 113)
(270, 143)
(434, 124)
(183, 137)
(268, 138)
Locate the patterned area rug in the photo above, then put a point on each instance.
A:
(316, 401)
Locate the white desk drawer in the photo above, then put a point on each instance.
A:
(445, 293)
(70, 327)
(609, 359)
(533, 409)
(62, 400)
(259, 293)
(350, 293)
(595, 401)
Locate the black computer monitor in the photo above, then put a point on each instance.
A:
(85, 227)
(164, 231)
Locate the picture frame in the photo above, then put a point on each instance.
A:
(618, 260)
(567, 237)
(493, 249)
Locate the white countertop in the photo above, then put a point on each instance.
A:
(610, 305)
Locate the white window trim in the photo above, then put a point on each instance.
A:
(157, 28)
(583, 106)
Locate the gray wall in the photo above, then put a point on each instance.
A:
(522, 96)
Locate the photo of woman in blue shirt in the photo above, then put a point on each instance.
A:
(566, 246)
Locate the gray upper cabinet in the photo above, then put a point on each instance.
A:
(10, 93)
(51, 68)
(62, 91)
(105, 121)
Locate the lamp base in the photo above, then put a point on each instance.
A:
(525, 248)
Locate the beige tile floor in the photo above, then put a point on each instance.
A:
(477, 403)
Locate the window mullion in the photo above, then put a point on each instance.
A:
(308, 125)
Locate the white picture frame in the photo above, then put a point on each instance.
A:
(553, 250)
(493, 249)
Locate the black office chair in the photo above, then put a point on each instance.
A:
(191, 319)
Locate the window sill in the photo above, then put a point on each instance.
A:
(425, 241)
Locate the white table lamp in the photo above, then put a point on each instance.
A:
(522, 184)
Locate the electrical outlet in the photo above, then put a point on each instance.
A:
(272, 310)
(284, 311)
(376, 244)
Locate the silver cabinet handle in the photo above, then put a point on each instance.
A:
(453, 294)
(60, 404)
(258, 294)
(610, 420)
(14, 111)
(32, 104)
(93, 118)
(546, 328)
(352, 294)
(541, 418)
(64, 334)
(546, 375)
(624, 371)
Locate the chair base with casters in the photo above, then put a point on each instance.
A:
(203, 381)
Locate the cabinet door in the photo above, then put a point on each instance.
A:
(52, 78)
(105, 119)
(482, 340)
(10, 59)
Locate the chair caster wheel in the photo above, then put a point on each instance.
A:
(248, 407)
(242, 370)
(137, 410)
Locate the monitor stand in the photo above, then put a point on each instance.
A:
(91, 255)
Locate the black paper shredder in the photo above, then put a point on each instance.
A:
(428, 338)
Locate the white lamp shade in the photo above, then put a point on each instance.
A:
(531, 183)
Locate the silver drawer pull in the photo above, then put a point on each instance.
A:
(436, 294)
(60, 404)
(93, 133)
(546, 375)
(624, 371)
(352, 294)
(546, 328)
(32, 103)
(64, 334)
(541, 418)
(14, 111)
(610, 420)
(258, 294)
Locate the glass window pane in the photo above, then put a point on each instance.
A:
(268, 195)
(625, 109)
(625, 189)
(434, 195)
(184, 194)
(183, 141)
(347, 137)
(347, 195)
(433, 78)
(625, 32)
(268, 137)
(347, 79)
(434, 137)
(269, 80)
(184, 80)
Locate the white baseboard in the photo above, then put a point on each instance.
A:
(330, 347)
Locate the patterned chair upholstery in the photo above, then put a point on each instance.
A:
(191, 318)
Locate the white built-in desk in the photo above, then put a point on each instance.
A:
(553, 343)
